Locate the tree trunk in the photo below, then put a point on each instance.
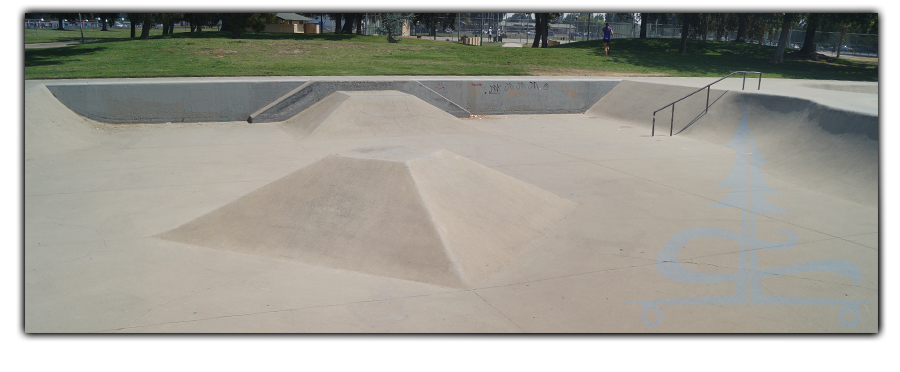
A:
(545, 29)
(537, 30)
(145, 31)
(348, 23)
(644, 20)
(841, 41)
(782, 39)
(103, 23)
(359, 19)
(809, 40)
(337, 22)
(133, 27)
(60, 25)
(685, 27)
(743, 21)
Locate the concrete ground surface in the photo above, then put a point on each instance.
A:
(343, 221)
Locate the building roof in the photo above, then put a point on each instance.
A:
(293, 17)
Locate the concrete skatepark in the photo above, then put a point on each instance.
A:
(450, 205)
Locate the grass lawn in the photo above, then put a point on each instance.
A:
(112, 54)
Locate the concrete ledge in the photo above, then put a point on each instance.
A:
(308, 94)
(169, 102)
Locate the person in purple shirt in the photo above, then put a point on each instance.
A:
(607, 35)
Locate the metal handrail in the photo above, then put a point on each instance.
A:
(707, 87)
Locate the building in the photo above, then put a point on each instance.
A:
(293, 23)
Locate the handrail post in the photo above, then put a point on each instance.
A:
(760, 81)
(653, 127)
(707, 99)
(672, 122)
(745, 81)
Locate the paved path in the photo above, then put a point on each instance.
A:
(51, 45)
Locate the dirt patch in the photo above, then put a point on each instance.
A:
(216, 53)
(580, 72)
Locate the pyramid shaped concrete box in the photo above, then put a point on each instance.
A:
(430, 216)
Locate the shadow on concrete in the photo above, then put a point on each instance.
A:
(702, 114)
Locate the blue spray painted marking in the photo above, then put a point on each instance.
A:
(748, 190)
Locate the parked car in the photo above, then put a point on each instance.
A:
(845, 48)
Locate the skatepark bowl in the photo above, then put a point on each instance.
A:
(450, 205)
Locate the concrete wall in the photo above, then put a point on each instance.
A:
(269, 101)
(169, 102)
(522, 96)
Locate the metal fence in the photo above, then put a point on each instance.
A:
(503, 27)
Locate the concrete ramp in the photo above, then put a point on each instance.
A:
(810, 145)
(312, 92)
(426, 216)
(366, 114)
(52, 128)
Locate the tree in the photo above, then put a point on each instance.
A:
(787, 20)
(809, 39)
(168, 21)
(134, 19)
(349, 18)
(520, 17)
(538, 26)
(542, 28)
(62, 16)
(337, 21)
(198, 20)
(743, 22)
(846, 22)
(240, 22)
(431, 20)
(686, 20)
(107, 19)
(392, 24)
(644, 18)
(147, 19)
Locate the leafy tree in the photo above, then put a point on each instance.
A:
(349, 19)
(761, 26)
(812, 21)
(61, 16)
(168, 21)
(743, 23)
(431, 20)
(787, 20)
(849, 22)
(520, 17)
(148, 19)
(107, 19)
(240, 22)
(199, 20)
(392, 24)
(686, 20)
(133, 18)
